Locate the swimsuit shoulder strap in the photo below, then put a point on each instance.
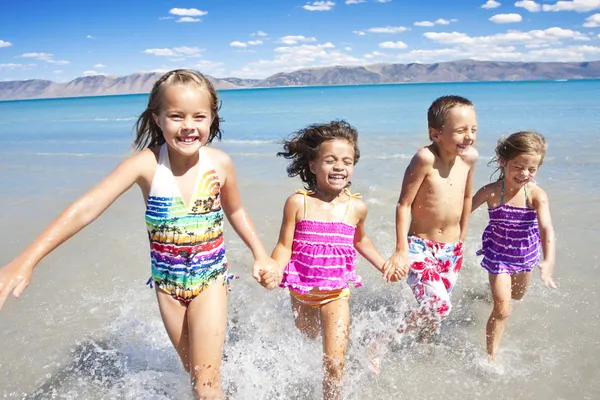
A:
(526, 198)
(352, 196)
(502, 195)
(305, 193)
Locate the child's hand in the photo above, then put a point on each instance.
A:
(14, 277)
(267, 273)
(396, 267)
(546, 270)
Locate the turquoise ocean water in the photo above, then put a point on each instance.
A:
(88, 327)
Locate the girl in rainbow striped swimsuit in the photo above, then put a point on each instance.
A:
(189, 188)
(519, 224)
(322, 230)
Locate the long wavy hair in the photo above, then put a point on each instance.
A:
(303, 147)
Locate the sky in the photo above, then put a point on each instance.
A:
(61, 40)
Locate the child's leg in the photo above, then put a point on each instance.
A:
(207, 324)
(335, 319)
(501, 293)
(307, 318)
(520, 283)
(174, 316)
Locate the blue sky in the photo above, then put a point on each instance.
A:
(61, 40)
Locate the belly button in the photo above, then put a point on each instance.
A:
(440, 230)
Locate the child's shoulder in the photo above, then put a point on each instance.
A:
(424, 157)
(218, 156)
(471, 157)
(295, 200)
(536, 193)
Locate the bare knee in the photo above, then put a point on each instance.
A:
(502, 310)
(307, 328)
(334, 368)
(518, 294)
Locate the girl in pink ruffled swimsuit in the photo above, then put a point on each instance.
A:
(321, 232)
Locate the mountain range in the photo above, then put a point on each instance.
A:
(453, 71)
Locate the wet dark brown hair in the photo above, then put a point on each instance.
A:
(148, 133)
(436, 114)
(518, 143)
(303, 147)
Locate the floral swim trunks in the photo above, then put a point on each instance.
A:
(433, 273)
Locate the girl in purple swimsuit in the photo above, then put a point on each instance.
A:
(519, 225)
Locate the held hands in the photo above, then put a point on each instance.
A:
(267, 272)
(14, 277)
(396, 267)
(546, 270)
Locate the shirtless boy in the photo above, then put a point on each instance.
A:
(433, 211)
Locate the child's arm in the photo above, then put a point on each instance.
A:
(471, 160)
(283, 250)
(16, 275)
(413, 178)
(362, 243)
(480, 197)
(242, 224)
(542, 207)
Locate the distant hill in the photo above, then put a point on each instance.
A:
(454, 71)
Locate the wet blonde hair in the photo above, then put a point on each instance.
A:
(518, 143)
(148, 133)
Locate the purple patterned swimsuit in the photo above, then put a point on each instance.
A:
(511, 241)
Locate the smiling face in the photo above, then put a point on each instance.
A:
(334, 165)
(185, 117)
(521, 169)
(459, 131)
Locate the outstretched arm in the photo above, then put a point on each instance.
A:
(16, 275)
(542, 207)
(242, 223)
(413, 178)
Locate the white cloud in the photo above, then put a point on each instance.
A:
(506, 18)
(291, 58)
(384, 1)
(5, 44)
(188, 19)
(175, 52)
(440, 21)
(388, 29)
(163, 18)
(92, 73)
(550, 35)
(319, 6)
(296, 39)
(359, 33)
(210, 67)
(38, 56)
(491, 4)
(393, 45)
(258, 33)
(348, 48)
(12, 66)
(529, 5)
(355, 1)
(187, 12)
(59, 71)
(58, 62)
(99, 66)
(574, 5)
(90, 37)
(237, 43)
(593, 21)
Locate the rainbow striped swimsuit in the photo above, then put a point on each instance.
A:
(186, 242)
